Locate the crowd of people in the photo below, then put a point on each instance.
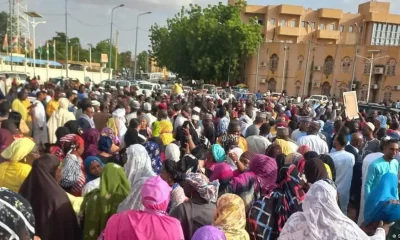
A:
(114, 164)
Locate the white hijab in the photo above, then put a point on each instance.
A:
(172, 152)
(322, 219)
(138, 169)
(119, 115)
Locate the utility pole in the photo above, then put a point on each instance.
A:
(116, 51)
(12, 2)
(305, 83)
(355, 59)
(285, 48)
(66, 37)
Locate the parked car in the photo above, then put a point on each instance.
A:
(124, 83)
(111, 83)
(20, 76)
(148, 88)
(322, 99)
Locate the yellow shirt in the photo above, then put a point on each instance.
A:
(13, 174)
(22, 107)
(76, 202)
(52, 106)
(178, 88)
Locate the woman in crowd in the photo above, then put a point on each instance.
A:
(172, 152)
(93, 168)
(59, 118)
(138, 169)
(152, 222)
(230, 217)
(209, 233)
(91, 138)
(242, 163)
(215, 156)
(10, 126)
(6, 138)
(322, 218)
(199, 210)
(258, 181)
(268, 215)
(54, 215)
(166, 132)
(13, 172)
(224, 174)
(108, 132)
(171, 174)
(55, 148)
(73, 171)
(154, 151)
(233, 137)
(132, 135)
(100, 204)
(329, 161)
(119, 116)
(315, 170)
(145, 130)
(73, 127)
(104, 147)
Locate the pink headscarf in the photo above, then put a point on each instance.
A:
(266, 170)
(152, 223)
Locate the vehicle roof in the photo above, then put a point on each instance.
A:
(319, 95)
(374, 106)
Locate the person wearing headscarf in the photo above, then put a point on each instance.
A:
(209, 233)
(73, 127)
(73, 171)
(105, 151)
(199, 210)
(108, 132)
(273, 151)
(138, 169)
(93, 168)
(54, 214)
(166, 132)
(55, 149)
(132, 135)
(13, 172)
(268, 215)
(329, 161)
(6, 138)
(59, 118)
(215, 156)
(232, 157)
(230, 217)
(282, 134)
(172, 152)
(112, 124)
(151, 223)
(23, 106)
(17, 220)
(119, 116)
(293, 158)
(173, 176)
(154, 151)
(224, 174)
(303, 149)
(91, 138)
(233, 137)
(144, 129)
(322, 219)
(258, 181)
(100, 204)
(315, 170)
(12, 127)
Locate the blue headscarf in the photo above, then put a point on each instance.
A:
(218, 153)
(377, 206)
(105, 144)
(87, 162)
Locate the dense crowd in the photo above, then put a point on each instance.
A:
(114, 164)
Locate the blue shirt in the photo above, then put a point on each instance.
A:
(376, 170)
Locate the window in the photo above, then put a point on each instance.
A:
(367, 67)
(341, 28)
(293, 23)
(272, 85)
(346, 65)
(332, 27)
(351, 29)
(261, 22)
(300, 62)
(387, 94)
(274, 60)
(322, 26)
(391, 67)
(312, 25)
(303, 24)
(283, 22)
(363, 95)
(272, 21)
(328, 66)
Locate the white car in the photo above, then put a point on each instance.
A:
(322, 99)
(148, 88)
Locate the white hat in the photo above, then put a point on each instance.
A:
(101, 88)
(75, 92)
(108, 93)
(196, 109)
(371, 126)
(195, 117)
(97, 93)
(147, 106)
(95, 103)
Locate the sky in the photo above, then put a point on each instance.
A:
(90, 19)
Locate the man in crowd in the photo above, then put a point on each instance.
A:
(313, 140)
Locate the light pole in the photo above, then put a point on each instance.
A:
(137, 28)
(371, 61)
(355, 58)
(307, 61)
(34, 15)
(284, 67)
(66, 38)
(111, 32)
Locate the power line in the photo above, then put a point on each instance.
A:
(129, 29)
(87, 24)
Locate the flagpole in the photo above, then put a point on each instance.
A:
(54, 49)
(11, 30)
(47, 51)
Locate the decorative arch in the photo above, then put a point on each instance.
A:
(346, 65)
(272, 85)
(391, 67)
(363, 92)
(387, 93)
(326, 89)
(343, 87)
(367, 67)
(274, 62)
(328, 66)
(300, 60)
(298, 86)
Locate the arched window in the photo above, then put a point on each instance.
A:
(343, 88)
(300, 62)
(346, 65)
(328, 66)
(298, 86)
(391, 67)
(272, 85)
(363, 93)
(387, 93)
(367, 67)
(326, 89)
(274, 61)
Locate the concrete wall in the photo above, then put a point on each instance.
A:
(46, 72)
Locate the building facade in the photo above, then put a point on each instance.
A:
(320, 51)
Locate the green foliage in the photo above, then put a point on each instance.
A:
(143, 62)
(205, 43)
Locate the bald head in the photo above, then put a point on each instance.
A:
(357, 140)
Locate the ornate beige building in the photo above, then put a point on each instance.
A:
(328, 39)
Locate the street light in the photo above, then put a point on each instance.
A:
(355, 53)
(307, 60)
(34, 15)
(111, 32)
(371, 62)
(285, 48)
(137, 28)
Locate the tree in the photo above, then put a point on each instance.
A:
(205, 43)
(125, 63)
(143, 61)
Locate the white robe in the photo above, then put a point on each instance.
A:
(39, 126)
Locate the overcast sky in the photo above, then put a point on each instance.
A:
(98, 13)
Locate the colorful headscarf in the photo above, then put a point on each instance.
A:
(218, 153)
(105, 144)
(155, 155)
(6, 138)
(155, 195)
(207, 190)
(88, 161)
(71, 142)
(166, 132)
(303, 149)
(286, 149)
(58, 152)
(293, 158)
(91, 138)
(209, 233)
(231, 217)
(266, 170)
(108, 132)
(18, 150)
(315, 170)
(172, 152)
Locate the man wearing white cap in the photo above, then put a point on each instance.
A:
(371, 144)
(147, 109)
